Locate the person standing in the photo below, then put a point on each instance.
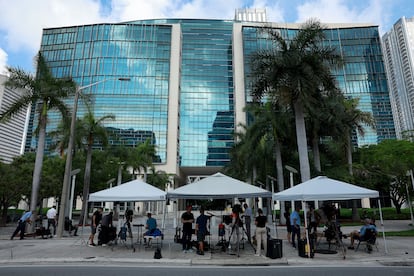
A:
(21, 227)
(248, 220)
(187, 219)
(96, 219)
(288, 225)
(313, 220)
(51, 215)
(106, 225)
(261, 232)
(201, 230)
(295, 222)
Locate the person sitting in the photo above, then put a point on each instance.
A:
(359, 235)
(151, 226)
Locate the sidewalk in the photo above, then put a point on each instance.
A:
(74, 250)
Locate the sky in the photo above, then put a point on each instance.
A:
(22, 21)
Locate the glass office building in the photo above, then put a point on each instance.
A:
(187, 87)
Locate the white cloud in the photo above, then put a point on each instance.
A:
(23, 20)
(274, 10)
(341, 11)
(3, 62)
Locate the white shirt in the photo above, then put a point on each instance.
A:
(51, 213)
(248, 212)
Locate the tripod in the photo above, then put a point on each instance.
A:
(236, 226)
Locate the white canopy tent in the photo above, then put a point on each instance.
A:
(135, 190)
(324, 188)
(132, 191)
(218, 186)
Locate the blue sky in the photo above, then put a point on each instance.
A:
(22, 21)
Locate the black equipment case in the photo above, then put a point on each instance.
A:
(274, 248)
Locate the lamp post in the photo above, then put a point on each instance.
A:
(68, 165)
(272, 181)
(291, 170)
(72, 191)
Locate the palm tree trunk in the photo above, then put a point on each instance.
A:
(37, 172)
(349, 153)
(355, 214)
(316, 154)
(302, 141)
(280, 178)
(86, 183)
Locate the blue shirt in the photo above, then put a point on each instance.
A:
(151, 223)
(26, 216)
(248, 212)
(293, 216)
(202, 223)
(365, 227)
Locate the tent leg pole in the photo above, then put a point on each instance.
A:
(382, 227)
(306, 227)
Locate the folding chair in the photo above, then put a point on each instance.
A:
(369, 239)
(155, 237)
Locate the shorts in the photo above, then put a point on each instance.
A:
(201, 236)
(93, 229)
(289, 228)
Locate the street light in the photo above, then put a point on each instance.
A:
(72, 191)
(68, 165)
(291, 170)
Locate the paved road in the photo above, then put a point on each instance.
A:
(104, 270)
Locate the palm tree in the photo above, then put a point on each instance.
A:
(45, 92)
(271, 123)
(351, 118)
(295, 71)
(92, 130)
(322, 121)
(141, 157)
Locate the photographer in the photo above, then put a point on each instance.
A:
(236, 221)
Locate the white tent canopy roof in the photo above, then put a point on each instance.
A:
(324, 188)
(218, 186)
(135, 190)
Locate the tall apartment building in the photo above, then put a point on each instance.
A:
(13, 132)
(398, 50)
(188, 84)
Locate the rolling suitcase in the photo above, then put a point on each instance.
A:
(303, 249)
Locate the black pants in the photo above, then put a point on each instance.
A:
(51, 222)
(20, 227)
(187, 239)
(295, 232)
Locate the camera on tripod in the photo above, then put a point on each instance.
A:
(237, 209)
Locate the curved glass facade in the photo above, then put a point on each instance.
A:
(185, 77)
(362, 75)
(95, 53)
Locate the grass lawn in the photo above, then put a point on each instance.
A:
(408, 233)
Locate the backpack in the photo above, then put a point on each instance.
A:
(157, 253)
(123, 233)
